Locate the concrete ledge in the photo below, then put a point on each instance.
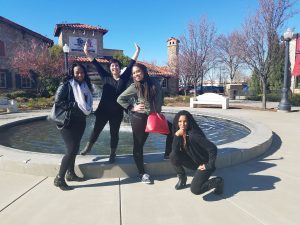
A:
(14, 160)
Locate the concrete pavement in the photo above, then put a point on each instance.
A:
(260, 191)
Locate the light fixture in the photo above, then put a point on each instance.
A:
(288, 35)
(66, 48)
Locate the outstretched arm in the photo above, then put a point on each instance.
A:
(87, 53)
(101, 71)
(127, 73)
(136, 53)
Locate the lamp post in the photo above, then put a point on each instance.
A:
(284, 105)
(66, 50)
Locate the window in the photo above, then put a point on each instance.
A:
(164, 83)
(297, 82)
(25, 82)
(2, 80)
(2, 50)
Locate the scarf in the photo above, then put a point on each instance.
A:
(83, 96)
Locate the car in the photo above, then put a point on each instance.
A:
(208, 89)
(184, 89)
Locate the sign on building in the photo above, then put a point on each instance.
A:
(77, 43)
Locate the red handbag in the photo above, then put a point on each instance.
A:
(157, 123)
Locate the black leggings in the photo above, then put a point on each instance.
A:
(114, 119)
(72, 136)
(200, 182)
(138, 124)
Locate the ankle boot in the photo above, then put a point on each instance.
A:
(112, 156)
(219, 186)
(61, 183)
(71, 176)
(181, 183)
(87, 148)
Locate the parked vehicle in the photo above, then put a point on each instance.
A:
(208, 89)
(184, 89)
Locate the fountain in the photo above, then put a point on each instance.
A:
(20, 147)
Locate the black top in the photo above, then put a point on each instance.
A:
(112, 88)
(198, 147)
(65, 99)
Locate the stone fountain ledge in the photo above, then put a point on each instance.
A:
(93, 166)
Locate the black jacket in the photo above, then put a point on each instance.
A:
(65, 99)
(199, 148)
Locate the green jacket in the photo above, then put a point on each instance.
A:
(130, 97)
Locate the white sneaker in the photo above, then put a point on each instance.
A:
(146, 179)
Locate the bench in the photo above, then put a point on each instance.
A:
(210, 99)
(9, 105)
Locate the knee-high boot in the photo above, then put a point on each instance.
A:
(87, 148)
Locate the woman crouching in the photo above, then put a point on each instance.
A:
(191, 149)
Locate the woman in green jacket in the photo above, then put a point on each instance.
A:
(141, 98)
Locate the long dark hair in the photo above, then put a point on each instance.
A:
(146, 87)
(191, 122)
(86, 76)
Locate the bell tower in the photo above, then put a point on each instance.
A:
(173, 50)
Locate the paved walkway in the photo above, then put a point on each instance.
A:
(261, 191)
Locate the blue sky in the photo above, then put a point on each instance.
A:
(148, 22)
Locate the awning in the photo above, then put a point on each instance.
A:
(296, 69)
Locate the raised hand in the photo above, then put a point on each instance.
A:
(137, 51)
(86, 52)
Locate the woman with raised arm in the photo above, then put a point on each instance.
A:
(191, 149)
(141, 98)
(108, 110)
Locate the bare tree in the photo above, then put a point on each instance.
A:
(256, 41)
(196, 52)
(227, 53)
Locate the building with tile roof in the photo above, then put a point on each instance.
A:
(13, 37)
(75, 35)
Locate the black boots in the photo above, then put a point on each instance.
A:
(216, 183)
(73, 177)
(61, 183)
(181, 183)
(87, 148)
(112, 156)
(219, 185)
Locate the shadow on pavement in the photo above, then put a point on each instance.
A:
(244, 177)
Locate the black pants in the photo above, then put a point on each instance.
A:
(200, 182)
(138, 124)
(72, 136)
(114, 119)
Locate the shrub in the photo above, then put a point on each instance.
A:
(295, 100)
(170, 101)
(22, 94)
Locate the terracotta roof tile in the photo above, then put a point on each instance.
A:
(153, 70)
(58, 27)
(157, 70)
(83, 59)
(24, 29)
